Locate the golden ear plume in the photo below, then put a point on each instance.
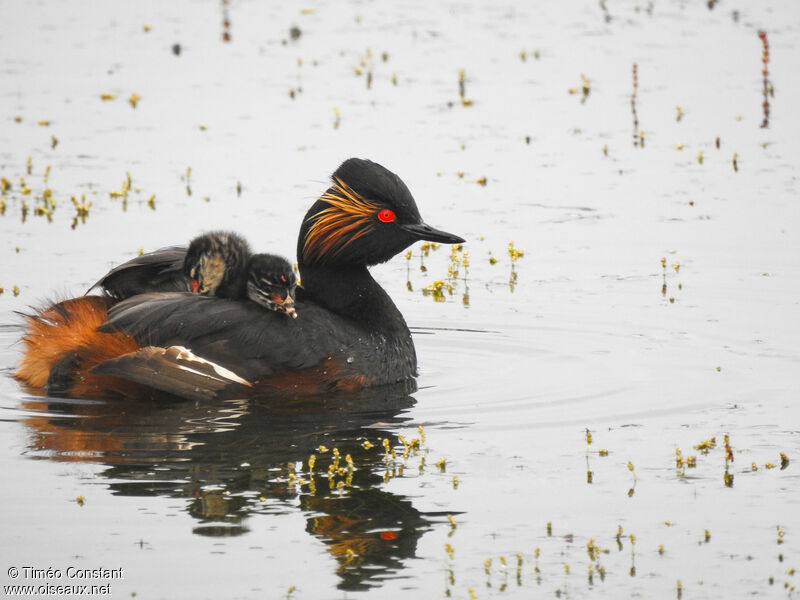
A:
(348, 218)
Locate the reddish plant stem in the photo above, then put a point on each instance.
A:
(765, 74)
(638, 140)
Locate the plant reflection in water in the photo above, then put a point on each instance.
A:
(231, 460)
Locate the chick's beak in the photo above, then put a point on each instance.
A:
(287, 306)
(423, 231)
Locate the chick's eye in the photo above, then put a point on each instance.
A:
(386, 215)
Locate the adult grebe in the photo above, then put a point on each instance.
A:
(350, 334)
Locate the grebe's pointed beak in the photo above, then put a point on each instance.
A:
(423, 231)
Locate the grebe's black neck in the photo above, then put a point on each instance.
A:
(350, 291)
(366, 217)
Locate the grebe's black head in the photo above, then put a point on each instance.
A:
(366, 217)
(216, 264)
(272, 283)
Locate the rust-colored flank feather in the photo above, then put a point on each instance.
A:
(70, 328)
(348, 217)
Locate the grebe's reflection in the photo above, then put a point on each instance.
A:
(233, 459)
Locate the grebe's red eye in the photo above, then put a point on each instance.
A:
(283, 278)
(194, 285)
(386, 215)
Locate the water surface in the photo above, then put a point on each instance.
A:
(587, 330)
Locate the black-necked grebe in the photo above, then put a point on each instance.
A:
(350, 334)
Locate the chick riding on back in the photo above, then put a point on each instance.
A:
(219, 263)
(216, 264)
(272, 283)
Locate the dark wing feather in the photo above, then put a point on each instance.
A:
(239, 335)
(159, 271)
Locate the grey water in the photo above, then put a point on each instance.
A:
(631, 272)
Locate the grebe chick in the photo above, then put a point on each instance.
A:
(216, 265)
(272, 283)
(219, 264)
